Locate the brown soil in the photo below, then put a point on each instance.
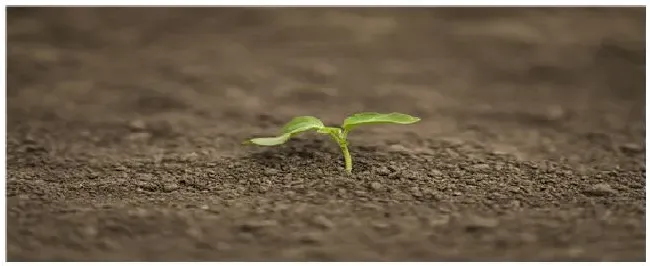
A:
(124, 131)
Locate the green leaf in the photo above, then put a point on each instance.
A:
(377, 118)
(271, 141)
(302, 123)
(296, 125)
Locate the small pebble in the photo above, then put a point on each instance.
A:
(90, 231)
(376, 185)
(601, 190)
(271, 171)
(147, 186)
(415, 191)
(481, 166)
(476, 223)
(631, 148)
(383, 171)
(435, 173)
(439, 220)
(323, 221)
(167, 188)
(137, 125)
(555, 112)
(93, 175)
(138, 136)
(256, 225)
(311, 238)
(380, 225)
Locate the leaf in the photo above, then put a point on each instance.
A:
(271, 141)
(296, 125)
(302, 123)
(377, 118)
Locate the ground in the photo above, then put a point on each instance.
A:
(125, 125)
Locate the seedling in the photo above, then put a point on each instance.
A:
(340, 135)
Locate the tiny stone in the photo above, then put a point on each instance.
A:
(108, 244)
(515, 204)
(375, 186)
(194, 232)
(380, 225)
(555, 112)
(137, 125)
(271, 171)
(29, 139)
(528, 237)
(311, 238)
(90, 231)
(383, 171)
(169, 187)
(146, 185)
(398, 148)
(342, 190)
(439, 220)
(395, 175)
(93, 175)
(323, 221)
(222, 246)
(415, 191)
(427, 191)
(435, 173)
(601, 190)
(255, 225)
(139, 136)
(475, 223)
(371, 206)
(481, 166)
(631, 148)
(360, 193)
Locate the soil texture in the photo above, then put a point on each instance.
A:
(125, 125)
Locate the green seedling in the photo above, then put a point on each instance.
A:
(339, 135)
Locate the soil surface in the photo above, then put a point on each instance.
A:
(125, 126)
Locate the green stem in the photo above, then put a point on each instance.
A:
(346, 155)
(341, 139)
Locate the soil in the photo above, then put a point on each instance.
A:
(125, 125)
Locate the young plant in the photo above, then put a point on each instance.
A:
(339, 135)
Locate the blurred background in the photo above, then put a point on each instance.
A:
(520, 79)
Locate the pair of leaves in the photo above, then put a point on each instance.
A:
(304, 123)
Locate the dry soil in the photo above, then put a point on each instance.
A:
(125, 126)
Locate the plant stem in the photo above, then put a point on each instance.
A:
(341, 139)
(348, 158)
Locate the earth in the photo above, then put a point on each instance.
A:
(125, 129)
